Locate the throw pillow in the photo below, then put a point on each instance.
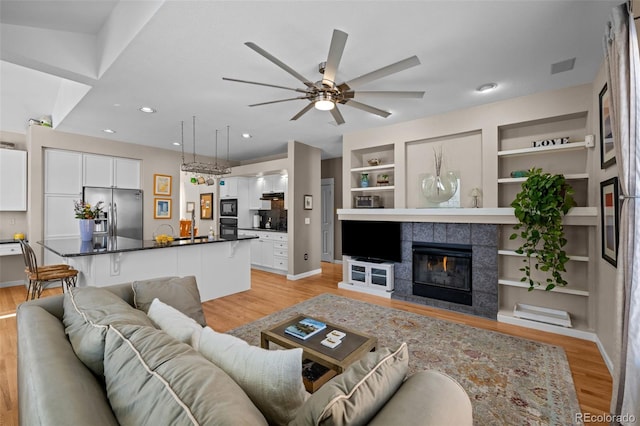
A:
(175, 323)
(181, 293)
(152, 379)
(355, 396)
(87, 313)
(272, 379)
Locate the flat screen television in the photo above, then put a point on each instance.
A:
(372, 240)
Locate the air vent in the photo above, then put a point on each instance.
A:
(562, 66)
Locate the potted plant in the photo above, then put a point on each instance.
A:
(87, 216)
(540, 207)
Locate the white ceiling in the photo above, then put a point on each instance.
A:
(91, 64)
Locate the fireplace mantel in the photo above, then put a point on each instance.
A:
(499, 216)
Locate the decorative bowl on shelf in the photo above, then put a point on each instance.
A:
(373, 161)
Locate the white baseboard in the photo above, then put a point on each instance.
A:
(12, 283)
(605, 356)
(347, 286)
(304, 274)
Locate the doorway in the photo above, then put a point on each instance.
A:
(327, 220)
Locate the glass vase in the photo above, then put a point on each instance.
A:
(364, 180)
(440, 187)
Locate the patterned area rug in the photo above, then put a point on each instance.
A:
(510, 381)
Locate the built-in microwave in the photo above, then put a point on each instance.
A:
(229, 207)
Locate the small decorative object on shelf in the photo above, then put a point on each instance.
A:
(550, 142)
(382, 179)
(440, 187)
(364, 180)
(519, 173)
(373, 161)
(475, 193)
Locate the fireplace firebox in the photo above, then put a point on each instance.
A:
(442, 271)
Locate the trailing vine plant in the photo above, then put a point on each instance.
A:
(540, 207)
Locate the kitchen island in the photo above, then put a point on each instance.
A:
(221, 266)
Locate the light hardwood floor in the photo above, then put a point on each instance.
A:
(271, 293)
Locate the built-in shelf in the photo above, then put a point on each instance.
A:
(527, 151)
(574, 176)
(564, 290)
(374, 188)
(377, 168)
(513, 253)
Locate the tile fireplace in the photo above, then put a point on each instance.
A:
(472, 248)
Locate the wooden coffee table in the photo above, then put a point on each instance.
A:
(353, 347)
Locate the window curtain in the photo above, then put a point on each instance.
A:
(623, 77)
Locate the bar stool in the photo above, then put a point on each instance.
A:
(40, 277)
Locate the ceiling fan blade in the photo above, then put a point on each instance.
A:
(338, 41)
(264, 84)
(388, 94)
(302, 111)
(279, 63)
(278, 101)
(382, 72)
(337, 116)
(367, 108)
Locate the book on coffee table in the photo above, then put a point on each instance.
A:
(305, 328)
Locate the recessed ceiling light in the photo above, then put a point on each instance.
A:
(148, 110)
(176, 143)
(109, 131)
(246, 135)
(487, 87)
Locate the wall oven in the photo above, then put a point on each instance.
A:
(229, 207)
(228, 228)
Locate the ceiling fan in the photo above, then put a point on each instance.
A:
(326, 94)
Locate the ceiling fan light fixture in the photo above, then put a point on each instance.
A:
(324, 102)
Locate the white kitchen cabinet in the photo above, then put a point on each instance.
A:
(13, 180)
(228, 187)
(59, 218)
(256, 189)
(126, 173)
(270, 250)
(97, 170)
(63, 172)
(274, 183)
(106, 171)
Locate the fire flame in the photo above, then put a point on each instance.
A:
(444, 263)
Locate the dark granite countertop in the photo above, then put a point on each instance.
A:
(73, 247)
(9, 241)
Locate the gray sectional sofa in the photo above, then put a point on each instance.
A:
(56, 388)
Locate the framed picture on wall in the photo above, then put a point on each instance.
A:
(206, 206)
(162, 208)
(308, 202)
(607, 153)
(610, 211)
(191, 206)
(162, 185)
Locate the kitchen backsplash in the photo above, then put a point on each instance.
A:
(277, 214)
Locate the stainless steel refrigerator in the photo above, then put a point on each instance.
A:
(123, 209)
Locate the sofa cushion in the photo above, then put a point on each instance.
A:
(87, 313)
(355, 396)
(180, 292)
(272, 379)
(175, 323)
(152, 378)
